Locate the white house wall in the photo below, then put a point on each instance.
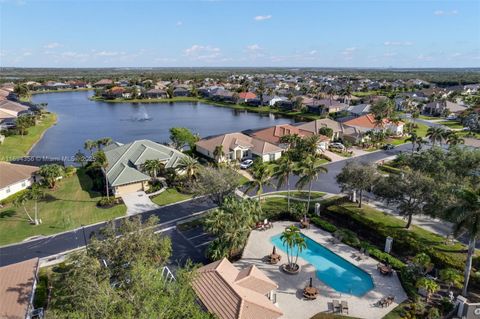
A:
(15, 188)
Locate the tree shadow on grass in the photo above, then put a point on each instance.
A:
(7, 213)
(86, 182)
(11, 215)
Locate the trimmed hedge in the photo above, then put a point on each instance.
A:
(389, 169)
(323, 224)
(10, 199)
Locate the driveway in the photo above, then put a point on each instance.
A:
(138, 202)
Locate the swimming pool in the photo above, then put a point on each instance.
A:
(332, 269)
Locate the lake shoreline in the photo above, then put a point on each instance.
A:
(262, 110)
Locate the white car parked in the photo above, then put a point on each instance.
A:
(246, 164)
(339, 146)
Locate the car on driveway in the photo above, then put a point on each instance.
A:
(338, 146)
(388, 147)
(246, 164)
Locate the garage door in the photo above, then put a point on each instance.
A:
(130, 188)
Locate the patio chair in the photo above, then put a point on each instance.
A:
(336, 305)
(267, 224)
(344, 307)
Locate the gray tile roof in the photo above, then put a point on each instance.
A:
(125, 160)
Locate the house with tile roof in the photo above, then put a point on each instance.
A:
(17, 289)
(229, 293)
(10, 110)
(340, 130)
(237, 146)
(124, 171)
(15, 178)
(367, 123)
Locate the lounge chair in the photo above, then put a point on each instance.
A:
(267, 224)
(344, 307)
(336, 305)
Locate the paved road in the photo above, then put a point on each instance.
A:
(59, 243)
(327, 182)
(169, 215)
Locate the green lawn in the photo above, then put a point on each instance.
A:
(301, 195)
(171, 195)
(429, 118)
(18, 146)
(451, 124)
(69, 206)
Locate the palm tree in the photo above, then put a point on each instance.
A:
(22, 90)
(465, 215)
(51, 173)
(292, 239)
(309, 170)
(218, 152)
(152, 167)
(413, 139)
(34, 194)
(435, 134)
(454, 139)
(190, 166)
(261, 174)
(105, 141)
(102, 162)
(282, 172)
(90, 145)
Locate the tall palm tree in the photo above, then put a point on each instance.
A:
(435, 134)
(261, 174)
(90, 145)
(282, 172)
(190, 166)
(34, 194)
(293, 240)
(100, 159)
(413, 139)
(309, 170)
(465, 215)
(454, 139)
(152, 166)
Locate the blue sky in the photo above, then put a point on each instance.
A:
(322, 33)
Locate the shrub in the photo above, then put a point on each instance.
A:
(12, 198)
(390, 169)
(323, 224)
(349, 237)
(70, 171)
(385, 258)
(41, 291)
(106, 202)
(154, 186)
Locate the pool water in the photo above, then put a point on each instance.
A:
(332, 269)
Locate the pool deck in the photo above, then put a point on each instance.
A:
(289, 293)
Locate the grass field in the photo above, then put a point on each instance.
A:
(18, 146)
(70, 205)
(429, 118)
(451, 124)
(171, 195)
(301, 195)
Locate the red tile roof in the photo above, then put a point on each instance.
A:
(247, 95)
(368, 121)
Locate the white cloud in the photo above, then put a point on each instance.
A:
(389, 54)
(445, 13)
(262, 18)
(202, 52)
(27, 53)
(398, 43)
(52, 45)
(424, 57)
(109, 53)
(313, 52)
(253, 47)
(179, 23)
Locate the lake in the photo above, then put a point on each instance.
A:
(80, 119)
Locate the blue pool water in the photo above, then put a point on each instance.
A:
(332, 269)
